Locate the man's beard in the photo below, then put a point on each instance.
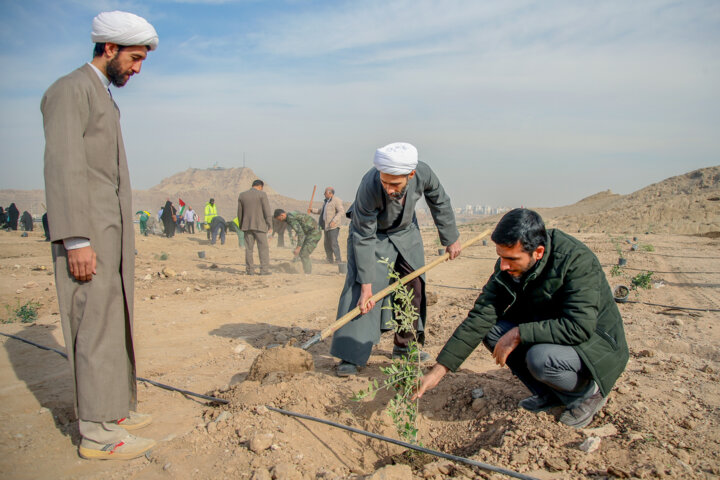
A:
(116, 77)
(397, 196)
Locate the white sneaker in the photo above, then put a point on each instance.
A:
(135, 421)
(128, 448)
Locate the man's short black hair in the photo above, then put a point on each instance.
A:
(100, 49)
(278, 212)
(520, 225)
(258, 182)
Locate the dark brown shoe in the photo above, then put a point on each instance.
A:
(539, 403)
(583, 414)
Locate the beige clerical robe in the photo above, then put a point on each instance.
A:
(87, 187)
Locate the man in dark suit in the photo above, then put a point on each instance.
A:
(255, 220)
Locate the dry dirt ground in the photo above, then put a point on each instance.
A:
(201, 328)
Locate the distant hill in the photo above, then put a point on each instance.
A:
(208, 181)
(688, 203)
(196, 186)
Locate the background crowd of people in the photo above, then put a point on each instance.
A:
(11, 219)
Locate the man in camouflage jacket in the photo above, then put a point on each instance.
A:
(308, 234)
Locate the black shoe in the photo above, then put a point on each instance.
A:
(399, 352)
(539, 403)
(583, 414)
(249, 272)
(346, 369)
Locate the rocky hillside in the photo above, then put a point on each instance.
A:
(688, 203)
(208, 181)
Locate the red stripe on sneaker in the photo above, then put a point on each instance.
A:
(120, 444)
(121, 420)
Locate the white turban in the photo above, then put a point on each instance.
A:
(396, 159)
(123, 28)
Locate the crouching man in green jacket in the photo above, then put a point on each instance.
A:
(548, 313)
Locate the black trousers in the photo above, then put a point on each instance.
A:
(417, 287)
(546, 369)
(331, 245)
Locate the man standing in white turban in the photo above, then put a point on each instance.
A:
(383, 225)
(87, 186)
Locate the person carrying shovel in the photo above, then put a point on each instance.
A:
(383, 225)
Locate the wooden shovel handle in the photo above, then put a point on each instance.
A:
(326, 332)
(312, 197)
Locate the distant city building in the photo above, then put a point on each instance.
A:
(468, 209)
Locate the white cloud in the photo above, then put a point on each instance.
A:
(501, 98)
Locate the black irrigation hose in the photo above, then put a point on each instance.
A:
(184, 392)
(454, 458)
(436, 453)
(151, 382)
(451, 286)
(673, 307)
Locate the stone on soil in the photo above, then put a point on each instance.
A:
(393, 472)
(608, 430)
(590, 444)
(260, 442)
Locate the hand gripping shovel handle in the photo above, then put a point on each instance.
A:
(384, 292)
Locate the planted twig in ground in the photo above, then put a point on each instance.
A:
(642, 280)
(618, 248)
(404, 373)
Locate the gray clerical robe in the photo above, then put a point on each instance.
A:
(87, 186)
(381, 227)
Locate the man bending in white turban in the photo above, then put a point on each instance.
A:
(89, 200)
(383, 225)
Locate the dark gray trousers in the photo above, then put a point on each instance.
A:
(252, 236)
(331, 245)
(545, 368)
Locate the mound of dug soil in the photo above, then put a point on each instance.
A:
(281, 359)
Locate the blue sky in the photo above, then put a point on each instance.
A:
(511, 103)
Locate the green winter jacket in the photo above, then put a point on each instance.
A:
(564, 299)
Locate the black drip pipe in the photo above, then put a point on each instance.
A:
(673, 307)
(435, 453)
(151, 382)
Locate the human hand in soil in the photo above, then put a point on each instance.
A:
(454, 249)
(82, 263)
(505, 346)
(366, 303)
(297, 251)
(430, 380)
